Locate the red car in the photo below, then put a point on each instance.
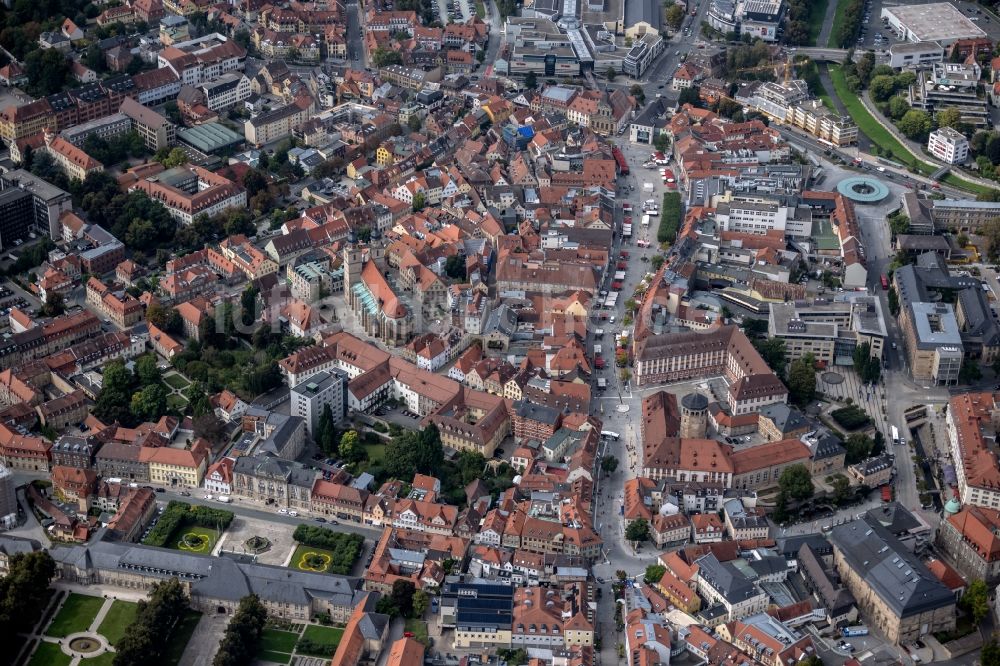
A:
(616, 285)
(627, 220)
(599, 363)
(624, 254)
(622, 266)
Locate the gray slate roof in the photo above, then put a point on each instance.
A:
(902, 582)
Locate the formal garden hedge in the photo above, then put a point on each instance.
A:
(851, 417)
(181, 514)
(344, 547)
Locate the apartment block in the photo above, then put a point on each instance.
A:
(948, 145)
(311, 396)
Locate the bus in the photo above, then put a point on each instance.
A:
(894, 431)
(885, 282)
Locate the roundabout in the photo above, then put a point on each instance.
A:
(863, 189)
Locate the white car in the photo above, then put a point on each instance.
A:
(208, 497)
(293, 513)
(282, 510)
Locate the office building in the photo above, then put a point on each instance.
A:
(948, 145)
(482, 614)
(915, 55)
(831, 329)
(310, 397)
(948, 85)
(156, 131)
(16, 216)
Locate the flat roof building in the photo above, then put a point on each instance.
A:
(938, 22)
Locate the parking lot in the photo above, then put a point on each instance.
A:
(875, 28)
(454, 11)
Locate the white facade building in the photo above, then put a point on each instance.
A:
(948, 145)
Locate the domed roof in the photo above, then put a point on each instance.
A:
(952, 506)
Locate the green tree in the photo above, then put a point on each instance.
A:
(197, 398)
(948, 117)
(990, 655)
(802, 379)
(898, 106)
(414, 123)
(531, 81)
(976, 600)
(24, 591)
(609, 464)
(689, 96)
(47, 71)
(454, 267)
(402, 597)
(654, 572)
(325, 435)
(675, 16)
(611, 74)
(796, 483)
(350, 447)
(383, 57)
(915, 124)
(239, 643)
(841, 489)
(772, 350)
(882, 88)
(970, 372)
(859, 447)
(146, 639)
(637, 530)
(421, 602)
(113, 401)
(639, 93)
(419, 202)
(661, 142)
(147, 371)
(149, 403)
(175, 158)
(55, 305)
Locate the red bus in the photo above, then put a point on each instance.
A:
(885, 283)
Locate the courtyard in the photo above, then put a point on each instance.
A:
(85, 628)
(282, 641)
(279, 543)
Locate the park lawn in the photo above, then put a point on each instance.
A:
(205, 548)
(867, 123)
(321, 634)
(839, 16)
(49, 654)
(418, 628)
(276, 657)
(176, 402)
(118, 618)
(180, 637)
(480, 9)
(961, 183)
(175, 381)
(817, 12)
(275, 640)
(301, 552)
(76, 614)
(376, 452)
